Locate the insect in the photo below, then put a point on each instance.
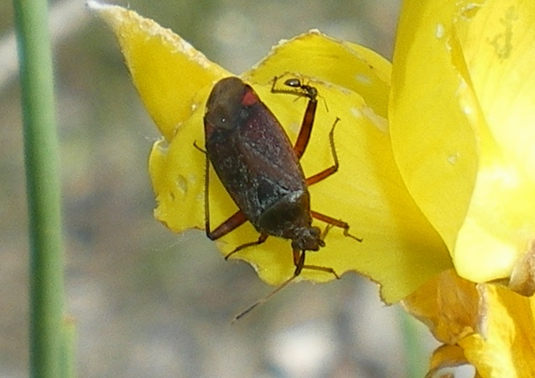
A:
(258, 166)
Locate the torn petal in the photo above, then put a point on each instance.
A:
(166, 70)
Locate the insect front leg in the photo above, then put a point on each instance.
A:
(332, 169)
(299, 262)
(306, 128)
(332, 222)
(296, 87)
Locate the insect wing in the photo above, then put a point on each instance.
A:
(249, 150)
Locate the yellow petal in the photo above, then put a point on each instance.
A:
(432, 139)
(167, 71)
(497, 43)
(522, 279)
(461, 113)
(448, 305)
(505, 343)
(400, 249)
(342, 63)
(449, 361)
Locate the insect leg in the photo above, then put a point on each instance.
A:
(332, 169)
(236, 220)
(332, 222)
(306, 128)
(298, 88)
(299, 262)
(262, 238)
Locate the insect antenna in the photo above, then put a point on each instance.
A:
(198, 148)
(266, 298)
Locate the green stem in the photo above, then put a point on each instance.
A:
(43, 188)
(416, 359)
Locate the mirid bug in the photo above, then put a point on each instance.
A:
(258, 166)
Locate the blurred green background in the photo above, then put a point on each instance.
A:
(149, 303)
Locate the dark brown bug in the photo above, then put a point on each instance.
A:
(259, 168)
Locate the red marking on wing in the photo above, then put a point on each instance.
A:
(249, 98)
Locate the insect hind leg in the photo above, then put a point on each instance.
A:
(229, 225)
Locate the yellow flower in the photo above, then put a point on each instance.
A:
(400, 249)
(448, 182)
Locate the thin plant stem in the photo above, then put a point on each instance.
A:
(43, 189)
(416, 358)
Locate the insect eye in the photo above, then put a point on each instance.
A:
(219, 118)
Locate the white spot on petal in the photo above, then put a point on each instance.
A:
(452, 159)
(356, 112)
(182, 184)
(467, 109)
(364, 79)
(378, 121)
(439, 31)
